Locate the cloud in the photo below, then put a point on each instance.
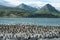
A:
(40, 3)
(55, 4)
(13, 2)
(34, 3)
(54, 1)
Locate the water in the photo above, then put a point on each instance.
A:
(35, 21)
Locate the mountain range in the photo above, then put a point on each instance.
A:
(23, 10)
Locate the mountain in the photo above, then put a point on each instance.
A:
(48, 8)
(2, 8)
(27, 7)
(47, 11)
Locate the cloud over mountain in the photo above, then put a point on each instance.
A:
(34, 3)
(10, 2)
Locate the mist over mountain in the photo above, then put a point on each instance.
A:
(5, 3)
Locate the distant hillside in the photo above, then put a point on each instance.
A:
(24, 10)
(3, 8)
(13, 12)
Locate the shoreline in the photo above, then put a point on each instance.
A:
(23, 23)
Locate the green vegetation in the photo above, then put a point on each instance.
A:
(11, 13)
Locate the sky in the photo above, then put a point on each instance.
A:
(39, 3)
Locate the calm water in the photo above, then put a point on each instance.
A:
(36, 21)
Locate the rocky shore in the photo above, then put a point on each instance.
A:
(28, 32)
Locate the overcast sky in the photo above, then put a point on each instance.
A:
(55, 3)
